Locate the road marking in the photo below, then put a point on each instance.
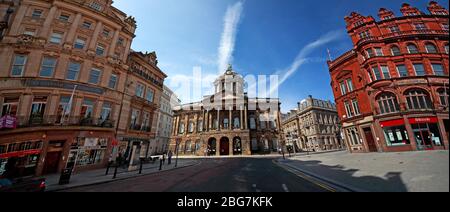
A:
(254, 185)
(285, 188)
(299, 174)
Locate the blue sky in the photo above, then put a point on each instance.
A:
(288, 37)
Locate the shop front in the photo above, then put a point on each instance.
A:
(88, 153)
(426, 133)
(395, 135)
(133, 150)
(20, 159)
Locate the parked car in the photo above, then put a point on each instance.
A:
(22, 185)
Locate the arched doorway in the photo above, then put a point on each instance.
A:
(237, 146)
(224, 146)
(211, 146)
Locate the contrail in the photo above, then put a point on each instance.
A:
(226, 48)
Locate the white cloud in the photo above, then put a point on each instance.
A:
(227, 43)
(302, 57)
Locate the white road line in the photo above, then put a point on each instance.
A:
(254, 185)
(285, 188)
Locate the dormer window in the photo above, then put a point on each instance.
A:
(96, 6)
(394, 29)
(359, 23)
(388, 17)
(420, 26)
(364, 34)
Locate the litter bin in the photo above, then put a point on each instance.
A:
(65, 176)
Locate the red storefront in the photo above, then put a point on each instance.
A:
(424, 134)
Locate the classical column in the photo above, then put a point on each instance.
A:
(73, 29)
(209, 121)
(112, 48)
(241, 120)
(218, 119)
(14, 29)
(48, 22)
(186, 124)
(203, 120)
(196, 122)
(93, 44)
(230, 122)
(174, 123)
(245, 117)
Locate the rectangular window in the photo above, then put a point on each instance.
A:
(394, 29)
(120, 42)
(350, 85)
(445, 26)
(73, 71)
(420, 26)
(18, 66)
(80, 43)
(30, 32)
(48, 67)
(106, 111)
(64, 17)
(87, 109)
(343, 88)
(140, 90)
(106, 32)
(149, 95)
(385, 71)
(396, 136)
(419, 68)
(36, 14)
(9, 106)
(95, 6)
(377, 73)
(370, 53)
(94, 76)
(438, 69)
(112, 81)
(38, 109)
(86, 25)
(378, 52)
(100, 50)
(348, 109)
(402, 71)
(356, 107)
(56, 38)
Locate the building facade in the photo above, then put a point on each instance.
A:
(165, 120)
(227, 122)
(64, 72)
(313, 126)
(392, 88)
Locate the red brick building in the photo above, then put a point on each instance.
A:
(392, 88)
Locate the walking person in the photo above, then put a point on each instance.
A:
(164, 158)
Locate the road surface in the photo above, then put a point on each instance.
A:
(215, 175)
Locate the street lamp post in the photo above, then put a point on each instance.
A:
(177, 146)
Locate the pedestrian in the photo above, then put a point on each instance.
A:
(164, 158)
(169, 157)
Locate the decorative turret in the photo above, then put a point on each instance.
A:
(385, 14)
(355, 20)
(436, 9)
(407, 10)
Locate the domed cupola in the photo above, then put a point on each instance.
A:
(230, 82)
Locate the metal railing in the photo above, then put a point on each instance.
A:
(39, 120)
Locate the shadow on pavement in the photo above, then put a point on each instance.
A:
(391, 182)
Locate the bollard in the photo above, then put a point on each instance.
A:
(160, 164)
(140, 167)
(115, 171)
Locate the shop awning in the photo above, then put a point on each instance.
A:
(423, 120)
(20, 153)
(392, 123)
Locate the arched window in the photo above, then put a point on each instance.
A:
(443, 96)
(215, 124)
(418, 99)
(181, 131)
(412, 49)
(198, 145)
(387, 103)
(395, 51)
(431, 48)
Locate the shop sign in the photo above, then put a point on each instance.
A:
(423, 120)
(20, 153)
(392, 123)
(8, 122)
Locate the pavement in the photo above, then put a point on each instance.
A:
(98, 176)
(424, 171)
(215, 175)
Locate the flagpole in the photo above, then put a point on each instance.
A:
(69, 105)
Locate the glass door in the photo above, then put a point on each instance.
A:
(423, 136)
